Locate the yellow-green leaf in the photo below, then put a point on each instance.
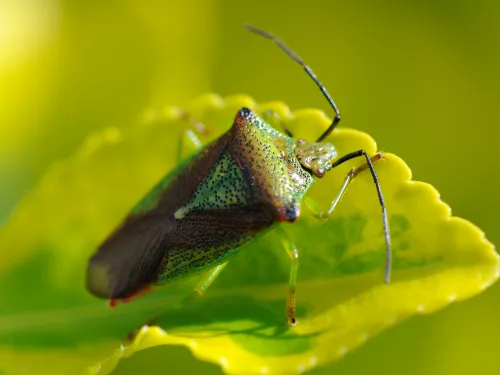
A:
(46, 316)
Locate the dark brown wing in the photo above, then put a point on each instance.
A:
(203, 239)
(131, 257)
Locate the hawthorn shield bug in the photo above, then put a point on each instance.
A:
(198, 216)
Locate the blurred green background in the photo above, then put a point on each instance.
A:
(422, 77)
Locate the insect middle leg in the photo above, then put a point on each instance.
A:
(293, 253)
(207, 280)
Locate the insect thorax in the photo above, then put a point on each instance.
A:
(256, 180)
(267, 158)
(258, 166)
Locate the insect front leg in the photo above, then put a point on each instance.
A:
(350, 176)
(293, 253)
(348, 179)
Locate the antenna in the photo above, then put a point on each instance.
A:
(309, 72)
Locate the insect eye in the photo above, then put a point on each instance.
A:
(291, 214)
(244, 112)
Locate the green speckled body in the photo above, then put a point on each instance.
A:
(200, 214)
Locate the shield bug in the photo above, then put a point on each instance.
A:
(198, 216)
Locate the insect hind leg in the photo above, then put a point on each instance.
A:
(189, 136)
(350, 176)
(200, 288)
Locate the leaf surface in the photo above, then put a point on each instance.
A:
(49, 323)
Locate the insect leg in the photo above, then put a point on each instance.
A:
(197, 128)
(350, 176)
(353, 173)
(293, 253)
(192, 138)
(196, 125)
(204, 283)
(199, 290)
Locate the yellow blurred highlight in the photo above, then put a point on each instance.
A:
(27, 32)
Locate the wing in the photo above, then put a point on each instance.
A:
(203, 239)
(131, 257)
